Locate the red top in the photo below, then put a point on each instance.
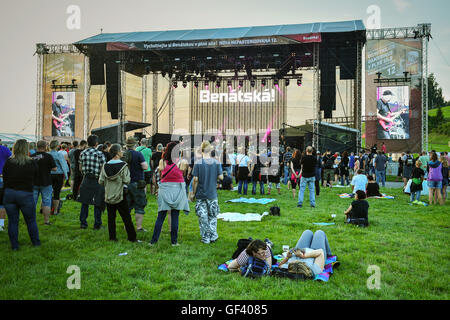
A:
(174, 175)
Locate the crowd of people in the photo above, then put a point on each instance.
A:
(117, 178)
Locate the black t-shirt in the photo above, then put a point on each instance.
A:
(156, 157)
(417, 173)
(20, 178)
(383, 108)
(76, 157)
(360, 209)
(309, 166)
(328, 161)
(296, 164)
(373, 190)
(45, 164)
(227, 182)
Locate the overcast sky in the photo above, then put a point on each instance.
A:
(25, 23)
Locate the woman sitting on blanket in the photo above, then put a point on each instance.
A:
(257, 249)
(309, 254)
(358, 211)
(373, 189)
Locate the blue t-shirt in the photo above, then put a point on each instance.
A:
(352, 162)
(136, 172)
(4, 155)
(359, 181)
(207, 171)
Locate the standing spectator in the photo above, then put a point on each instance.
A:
(32, 149)
(357, 165)
(63, 151)
(344, 168)
(226, 163)
(147, 153)
(5, 153)
(91, 192)
(77, 175)
(365, 163)
(351, 165)
(295, 166)
(408, 163)
(380, 168)
(171, 196)
(445, 176)
(383, 148)
(114, 176)
(58, 175)
(206, 172)
(434, 179)
(44, 183)
(328, 162)
(424, 159)
(255, 172)
(136, 188)
(416, 184)
(274, 170)
(155, 159)
(318, 172)
(72, 160)
(286, 160)
(308, 173)
(20, 174)
(400, 166)
(242, 161)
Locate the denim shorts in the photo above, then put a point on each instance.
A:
(46, 193)
(434, 184)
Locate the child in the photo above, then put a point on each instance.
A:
(358, 211)
(373, 189)
(416, 184)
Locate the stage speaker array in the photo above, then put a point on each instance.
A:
(112, 88)
(327, 65)
(347, 62)
(97, 70)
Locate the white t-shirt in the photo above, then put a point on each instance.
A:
(359, 181)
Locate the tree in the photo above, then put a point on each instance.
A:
(435, 97)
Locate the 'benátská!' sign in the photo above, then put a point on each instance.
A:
(267, 95)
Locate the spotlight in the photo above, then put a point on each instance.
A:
(241, 83)
(163, 73)
(299, 82)
(184, 84)
(196, 84)
(229, 83)
(175, 84)
(275, 82)
(206, 85)
(263, 82)
(252, 83)
(287, 82)
(218, 84)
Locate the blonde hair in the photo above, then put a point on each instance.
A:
(444, 161)
(418, 163)
(206, 146)
(20, 152)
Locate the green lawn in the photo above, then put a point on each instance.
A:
(408, 243)
(445, 111)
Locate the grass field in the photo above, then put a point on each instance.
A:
(445, 111)
(408, 243)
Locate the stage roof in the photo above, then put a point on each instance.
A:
(226, 33)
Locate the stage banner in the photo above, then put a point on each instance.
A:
(394, 109)
(220, 43)
(63, 114)
(393, 112)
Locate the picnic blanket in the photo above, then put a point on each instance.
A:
(349, 196)
(324, 276)
(251, 200)
(323, 223)
(236, 216)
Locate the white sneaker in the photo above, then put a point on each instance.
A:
(2, 229)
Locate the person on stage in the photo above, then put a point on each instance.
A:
(58, 117)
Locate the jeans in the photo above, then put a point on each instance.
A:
(286, 174)
(261, 186)
(46, 193)
(311, 186)
(85, 212)
(173, 228)
(315, 241)
(122, 207)
(243, 183)
(346, 179)
(136, 198)
(14, 201)
(380, 177)
(415, 195)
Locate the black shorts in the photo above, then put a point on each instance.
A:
(148, 177)
(57, 184)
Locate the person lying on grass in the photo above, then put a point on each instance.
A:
(308, 255)
(358, 211)
(257, 249)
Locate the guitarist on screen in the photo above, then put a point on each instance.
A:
(58, 117)
(385, 116)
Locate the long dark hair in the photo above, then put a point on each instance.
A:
(167, 155)
(254, 246)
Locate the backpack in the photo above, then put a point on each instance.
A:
(284, 273)
(255, 268)
(242, 244)
(435, 174)
(330, 162)
(127, 157)
(274, 211)
(409, 161)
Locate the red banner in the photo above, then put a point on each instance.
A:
(306, 38)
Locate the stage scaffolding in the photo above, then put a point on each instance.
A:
(423, 32)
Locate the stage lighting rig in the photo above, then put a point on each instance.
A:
(175, 84)
(263, 82)
(287, 82)
(252, 83)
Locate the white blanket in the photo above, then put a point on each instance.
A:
(236, 216)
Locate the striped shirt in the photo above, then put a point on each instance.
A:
(242, 259)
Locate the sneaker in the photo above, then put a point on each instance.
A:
(175, 244)
(98, 228)
(48, 223)
(83, 226)
(141, 230)
(2, 229)
(151, 244)
(215, 240)
(313, 206)
(270, 243)
(299, 206)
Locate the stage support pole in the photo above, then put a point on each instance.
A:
(87, 89)
(39, 102)
(357, 103)
(155, 104)
(425, 33)
(316, 97)
(144, 99)
(171, 108)
(121, 94)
